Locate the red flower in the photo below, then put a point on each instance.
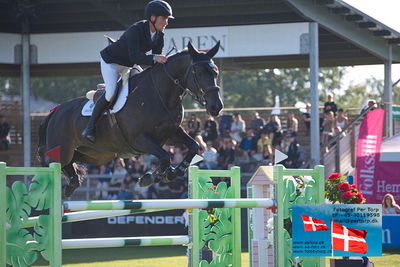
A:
(334, 176)
(347, 195)
(344, 187)
(354, 186)
(359, 198)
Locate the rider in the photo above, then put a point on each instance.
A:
(131, 49)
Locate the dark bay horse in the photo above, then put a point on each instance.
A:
(151, 117)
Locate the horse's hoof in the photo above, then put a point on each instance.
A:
(146, 180)
(69, 189)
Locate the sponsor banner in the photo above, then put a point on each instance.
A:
(368, 149)
(148, 224)
(390, 231)
(337, 230)
(396, 113)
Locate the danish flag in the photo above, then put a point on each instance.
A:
(312, 224)
(348, 239)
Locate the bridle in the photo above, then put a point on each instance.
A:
(202, 92)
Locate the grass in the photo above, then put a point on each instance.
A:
(172, 256)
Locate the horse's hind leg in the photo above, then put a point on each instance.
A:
(74, 179)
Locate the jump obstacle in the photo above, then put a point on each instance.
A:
(214, 217)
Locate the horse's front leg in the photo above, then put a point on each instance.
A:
(181, 137)
(148, 145)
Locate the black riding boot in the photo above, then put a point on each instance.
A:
(98, 110)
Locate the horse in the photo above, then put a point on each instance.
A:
(151, 118)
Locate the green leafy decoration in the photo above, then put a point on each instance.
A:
(19, 253)
(224, 260)
(221, 238)
(38, 191)
(41, 236)
(205, 227)
(18, 209)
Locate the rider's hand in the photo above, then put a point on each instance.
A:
(160, 59)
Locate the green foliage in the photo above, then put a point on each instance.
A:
(357, 95)
(22, 246)
(258, 88)
(40, 229)
(38, 188)
(338, 190)
(216, 224)
(18, 209)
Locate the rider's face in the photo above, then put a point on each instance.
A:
(161, 23)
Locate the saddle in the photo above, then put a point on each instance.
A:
(124, 79)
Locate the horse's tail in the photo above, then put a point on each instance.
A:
(42, 148)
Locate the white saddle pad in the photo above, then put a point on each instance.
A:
(119, 104)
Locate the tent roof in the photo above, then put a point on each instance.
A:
(390, 149)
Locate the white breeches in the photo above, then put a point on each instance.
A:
(110, 73)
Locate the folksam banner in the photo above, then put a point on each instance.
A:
(368, 149)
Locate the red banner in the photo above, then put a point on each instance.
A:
(368, 150)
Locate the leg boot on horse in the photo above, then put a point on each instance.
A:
(99, 108)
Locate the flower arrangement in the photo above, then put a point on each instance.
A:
(338, 190)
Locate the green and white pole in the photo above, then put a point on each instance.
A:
(117, 242)
(168, 204)
(93, 215)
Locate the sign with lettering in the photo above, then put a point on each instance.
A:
(390, 231)
(368, 149)
(160, 223)
(236, 41)
(337, 230)
(396, 113)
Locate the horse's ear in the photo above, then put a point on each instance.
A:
(213, 51)
(193, 51)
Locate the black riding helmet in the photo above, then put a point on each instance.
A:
(158, 8)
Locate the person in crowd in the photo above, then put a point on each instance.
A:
(176, 188)
(118, 175)
(292, 124)
(274, 130)
(242, 160)
(225, 122)
(341, 119)
(371, 103)
(330, 105)
(227, 154)
(178, 156)
(238, 128)
(210, 130)
(389, 205)
(102, 182)
(306, 117)
(328, 126)
(127, 188)
(249, 143)
(4, 133)
(210, 157)
(129, 50)
(294, 152)
(264, 153)
(145, 192)
(193, 126)
(257, 123)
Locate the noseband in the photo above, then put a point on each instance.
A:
(200, 96)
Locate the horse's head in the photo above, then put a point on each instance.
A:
(202, 78)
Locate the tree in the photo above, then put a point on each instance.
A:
(258, 88)
(355, 96)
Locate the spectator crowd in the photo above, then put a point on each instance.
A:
(231, 141)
